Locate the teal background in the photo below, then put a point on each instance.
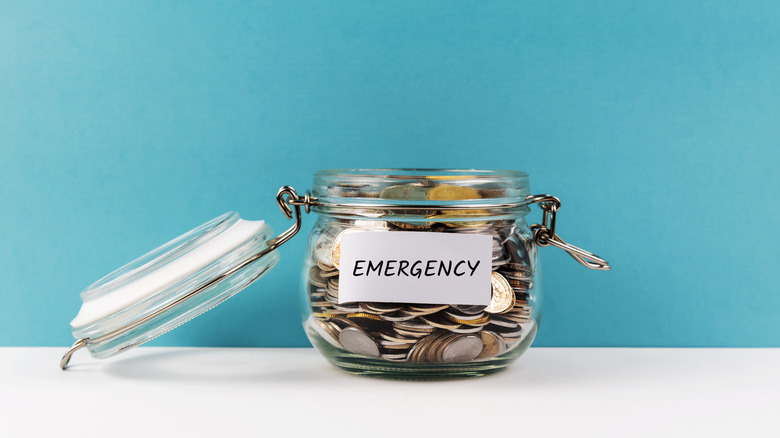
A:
(124, 124)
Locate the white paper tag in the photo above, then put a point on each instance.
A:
(415, 267)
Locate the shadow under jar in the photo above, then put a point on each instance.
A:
(421, 274)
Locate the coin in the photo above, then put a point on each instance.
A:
(395, 338)
(344, 322)
(413, 325)
(328, 273)
(347, 307)
(357, 341)
(449, 192)
(371, 225)
(503, 297)
(412, 333)
(397, 316)
(326, 331)
(492, 345)
(395, 357)
(462, 349)
(381, 308)
(324, 245)
(466, 329)
(412, 225)
(335, 249)
(439, 322)
(468, 320)
(501, 322)
(364, 315)
(394, 346)
(405, 192)
(419, 351)
(315, 278)
(426, 309)
(319, 304)
(469, 309)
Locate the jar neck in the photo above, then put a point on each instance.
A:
(422, 194)
(425, 213)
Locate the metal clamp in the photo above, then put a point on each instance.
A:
(285, 197)
(544, 234)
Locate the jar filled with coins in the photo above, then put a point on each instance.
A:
(409, 273)
(422, 274)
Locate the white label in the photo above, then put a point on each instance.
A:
(415, 267)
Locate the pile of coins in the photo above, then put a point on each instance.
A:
(425, 333)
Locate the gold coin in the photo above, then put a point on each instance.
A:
(404, 192)
(448, 192)
(438, 346)
(477, 321)
(335, 251)
(419, 351)
(503, 297)
(364, 315)
(493, 344)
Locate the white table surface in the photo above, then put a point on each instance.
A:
(221, 392)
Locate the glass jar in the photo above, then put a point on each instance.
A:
(422, 335)
(409, 273)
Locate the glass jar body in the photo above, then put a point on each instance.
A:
(412, 341)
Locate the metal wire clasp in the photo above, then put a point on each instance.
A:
(544, 234)
(286, 197)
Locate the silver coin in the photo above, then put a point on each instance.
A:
(462, 349)
(389, 336)
(395, 357)
(396, 317)
(315, 278)
(503, 323)
(347, 307)
(323, 249)
(381, 308)
(512, 333)
(346, 191)
(469, 309)
(462, 317)
(324, 331)
(466, 329)
(414, 325)
(371, 224)
(412, 333)
(359, 342)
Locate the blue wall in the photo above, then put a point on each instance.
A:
(124, 124)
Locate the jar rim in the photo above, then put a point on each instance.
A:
(421, 174)
(337, 190)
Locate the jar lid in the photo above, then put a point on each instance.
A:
(173, 284)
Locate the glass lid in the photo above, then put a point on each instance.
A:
(173, 284)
